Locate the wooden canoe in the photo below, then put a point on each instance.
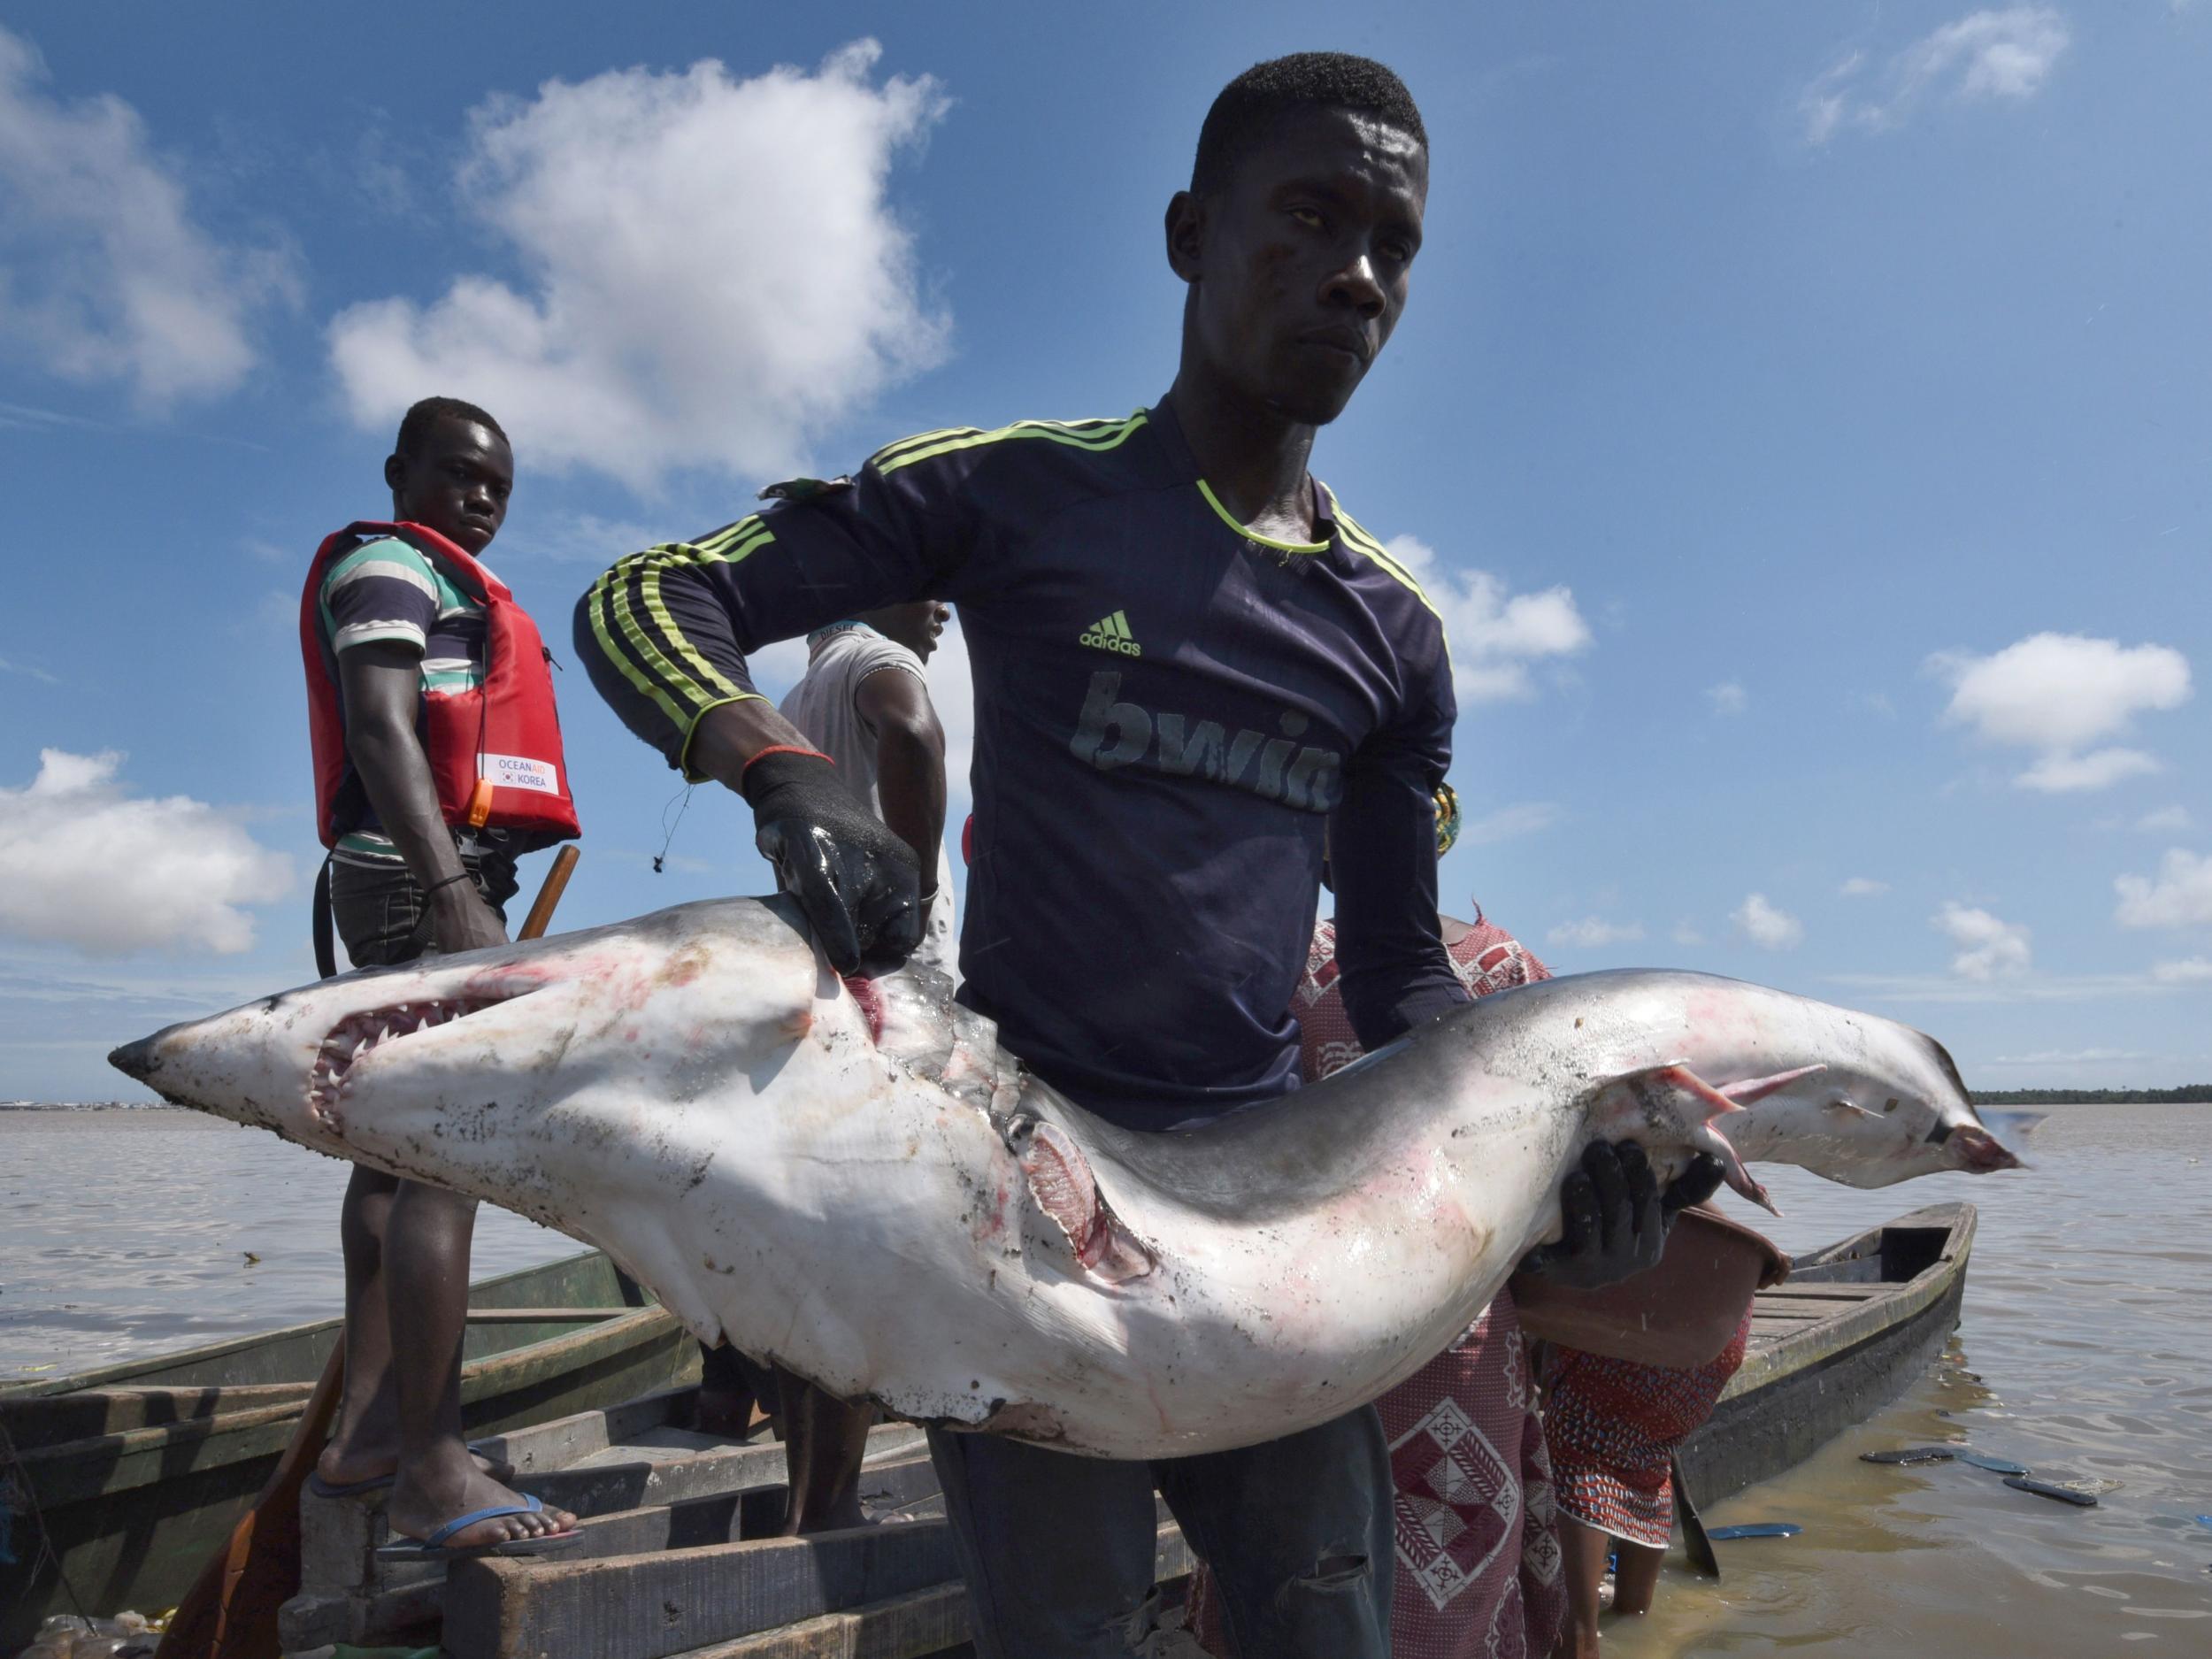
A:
(1856, 1325)
(678, 1561)
(132, 1474)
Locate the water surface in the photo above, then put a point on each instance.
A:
(127, 1233)
(2085, 1352)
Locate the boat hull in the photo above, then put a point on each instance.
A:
(1809, 1375)
(133, 1475)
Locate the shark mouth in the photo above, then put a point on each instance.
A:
(357, 1034)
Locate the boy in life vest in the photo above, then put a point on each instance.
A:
(437, 763)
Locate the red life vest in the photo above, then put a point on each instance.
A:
(493, 749)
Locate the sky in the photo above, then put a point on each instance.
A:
(1802, 419)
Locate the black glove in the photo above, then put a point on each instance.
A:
(857, 882)
(1614, 1218)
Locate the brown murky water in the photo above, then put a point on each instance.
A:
(2085, 1352)
(127, 1232)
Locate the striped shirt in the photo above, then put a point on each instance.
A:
(387, 591)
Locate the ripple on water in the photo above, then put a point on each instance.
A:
(2087, 1332)
(129, 1234)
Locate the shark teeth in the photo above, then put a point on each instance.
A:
(362, 1034)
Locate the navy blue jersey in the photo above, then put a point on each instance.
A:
(1174, 717)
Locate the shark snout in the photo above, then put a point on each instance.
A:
(140, 1059)
(1980, 1153)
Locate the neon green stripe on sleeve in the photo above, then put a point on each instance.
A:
(1109, 437)
(604, 594)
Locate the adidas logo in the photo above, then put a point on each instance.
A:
(1111, 634)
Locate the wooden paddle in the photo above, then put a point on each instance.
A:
(1696, 1544)
(231, 1610)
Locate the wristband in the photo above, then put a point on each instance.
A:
(783, 748)
(448, 883)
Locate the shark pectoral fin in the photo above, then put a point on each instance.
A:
(1676, 1075)
(1757, 1088)
(1699, 1105)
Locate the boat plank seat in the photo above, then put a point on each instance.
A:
(882, 1591)
(1823, 1293)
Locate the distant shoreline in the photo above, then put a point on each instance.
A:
(2187, 1095)
(88, 1106)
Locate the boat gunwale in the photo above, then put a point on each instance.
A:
(114, 1378)
(1898, 1303)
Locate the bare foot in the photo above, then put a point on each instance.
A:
(348, 1464)
(435, 1489)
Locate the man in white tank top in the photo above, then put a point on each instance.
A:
(865, 703)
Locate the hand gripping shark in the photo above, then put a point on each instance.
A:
(854, 1179)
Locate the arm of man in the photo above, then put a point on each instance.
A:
(1396, 973)
(665, 635)
(382, 682)
(1382, 861)
(909, 763)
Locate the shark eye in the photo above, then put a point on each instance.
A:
(1890, 1105)
(1937, 1135)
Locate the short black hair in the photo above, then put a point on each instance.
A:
(1248, 108)
(417, 424)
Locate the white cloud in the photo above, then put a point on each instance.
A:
(2027, 987)
(1862, 888)
(544, 531)
(1728, 698)
(2005, 54)
(2180, 898)
(1992, 949)
(775, 668)
(2057, 694)
(1686, 934)
(1522, 817)
(84, 863)
(1593, 933)
(1494, 636)
(104, 273)
(2166, 821)
(714, 275)
(2188, 971)
(1776, 929)
(2099, 769)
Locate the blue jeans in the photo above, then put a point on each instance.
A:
(1057, 1550)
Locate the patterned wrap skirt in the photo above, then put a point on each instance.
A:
(1613, 1427)
(1478, 1569)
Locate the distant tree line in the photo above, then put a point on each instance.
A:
(2187, 1095)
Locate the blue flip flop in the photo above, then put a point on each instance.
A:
(435, 1549)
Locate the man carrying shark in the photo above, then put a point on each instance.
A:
(1190, 663)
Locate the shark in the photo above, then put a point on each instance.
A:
(855, 1180)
